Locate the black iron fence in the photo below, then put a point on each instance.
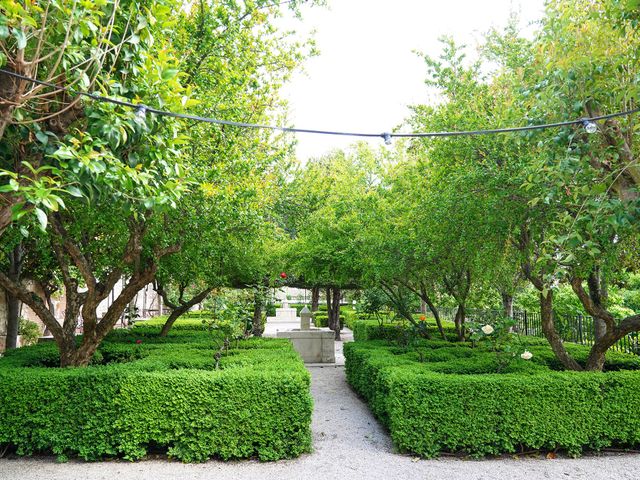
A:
(577, 328)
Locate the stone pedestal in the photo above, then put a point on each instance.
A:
(305, 319)
(314, 346)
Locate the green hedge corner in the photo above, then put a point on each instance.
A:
(160, 394)
(451, 401)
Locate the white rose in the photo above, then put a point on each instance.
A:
(526, 355)
(487, 329)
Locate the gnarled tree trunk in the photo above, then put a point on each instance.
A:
(181, 307)
(85, 302)
(593, 303)
(546, 307)
(551, 334)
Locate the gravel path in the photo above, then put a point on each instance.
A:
(348, 443)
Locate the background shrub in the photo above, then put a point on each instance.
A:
(392, 331)
(321, 320)
(29, 332)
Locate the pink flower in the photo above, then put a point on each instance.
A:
(138, 341)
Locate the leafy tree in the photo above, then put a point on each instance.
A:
(96, 174)
(325, 251)
(236, 61)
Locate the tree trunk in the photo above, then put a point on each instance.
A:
(436, 315)
(507, 305)
(315, 298)
(423, 306)
(329, 308)
(549, 330)
(599, 295)
(178, 310)
(68, 351)
(68, 252)
(52, 308)
(597, 356)
(336, 312)
(13, 321)
(175, 314)
(333, 310)
(459, 321)
(607, 330)
(72, 356)
(257, 327)
(13, 303)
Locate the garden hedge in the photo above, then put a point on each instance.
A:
(444, 398)
(375, 330)
(321, 320)
(158, 394)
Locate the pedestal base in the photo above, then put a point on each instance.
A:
(314, 346)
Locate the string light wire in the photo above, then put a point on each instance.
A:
(141, 109)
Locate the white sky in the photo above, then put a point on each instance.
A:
(367, 74)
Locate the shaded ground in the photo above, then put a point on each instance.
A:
(348, 442)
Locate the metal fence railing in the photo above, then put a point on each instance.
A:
(576, 329)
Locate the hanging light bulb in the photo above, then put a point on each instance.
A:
(387, 138)
(141, 112)
(589, 125)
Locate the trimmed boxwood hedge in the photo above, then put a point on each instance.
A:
(374, 330)
(321, 320)
(453, 403)
(161, 394)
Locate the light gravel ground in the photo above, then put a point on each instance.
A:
(348, 443)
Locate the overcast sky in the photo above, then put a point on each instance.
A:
(367, 74)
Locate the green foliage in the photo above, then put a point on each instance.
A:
(29, 331)
(500, 339)
(565, 303)
(321, 320)
(393, 331)
(151, 392)
(448, 399)
(91, 150)
(232, 318)
(237, 60)
(326, 205)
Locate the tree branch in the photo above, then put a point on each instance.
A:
(160, 290)
(79, 260)
(593, 308)
(34, 302)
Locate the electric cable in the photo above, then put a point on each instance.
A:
(142, 109)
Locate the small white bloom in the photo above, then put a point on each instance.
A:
(526, 355)
(487, 329)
